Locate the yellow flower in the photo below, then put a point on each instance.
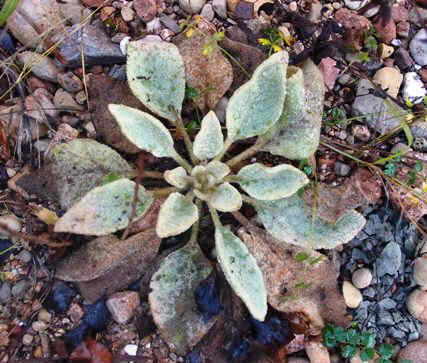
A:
(276, 48)
(264, 41)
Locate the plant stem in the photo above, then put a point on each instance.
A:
(196, 225)
(187, 141)
(227, 144)
(153, 174)
(214, 216)
(162, 192)
(181, 161)
(248, 152)
(253, 202)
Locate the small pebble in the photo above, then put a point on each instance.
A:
(24, 256)
(342, 169)
(27, 339)
(131, 349)
(122, 305)
(44, 315)
(413, 88)
(362, 278)
(417, 304)
(352, 296)
(385, 51)
(70, 82)
(127, 14)
(11, 222)
(39, 326)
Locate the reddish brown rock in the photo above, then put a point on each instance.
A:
(122, 305)
(355, 26)
(399, 13)
(95, 3)
(386, 29)
(415, 352)
(330, 72)
(147, 9)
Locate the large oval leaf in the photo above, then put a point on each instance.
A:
(257, 105)
(156, 75)
(172, 300)
(290, 220)
(209, 142)
(298, 136)
(241, 271)
(143, 130)
(105, 209)
(225, 198)
(264, 183)
(177, 177)
(177, 214)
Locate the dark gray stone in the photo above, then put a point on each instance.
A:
(387, 304)
(390, 259)
(20, 288)
(96, 46)
(385, 318)
(5, 292)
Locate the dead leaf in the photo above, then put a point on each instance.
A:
(247, 59)
(73, 169)
(149, 219)
(104, 122)
(210, 74)
(106, 264)
(332, 203)
(297, 280)
(91, 351)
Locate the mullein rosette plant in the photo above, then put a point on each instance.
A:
(281, 106)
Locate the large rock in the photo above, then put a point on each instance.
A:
(378, 112)
(418, 47)
(35, 19)
(96, 46)
(42, 66)
(415, 352)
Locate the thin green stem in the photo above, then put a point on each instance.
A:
(214, 216)
(187, 141)
(196, 226)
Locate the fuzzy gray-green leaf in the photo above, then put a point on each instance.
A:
(172, 300)
(209, 142)
(257, 105)
(177, 214)
(265, 183)
(177, 177)
(156, 75)
(290, 220)
(143, 130)
(241, 271)
(225, 198)
(297, 135)
(105, 209)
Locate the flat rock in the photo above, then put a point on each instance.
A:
(418, 47)
(32, 18)
(95, 44)
(381, 114)
(390, 259)
(415, 352)
(390, 79)
(122, 305)
(42, 66)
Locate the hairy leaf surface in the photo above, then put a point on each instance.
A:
(172, 300)
(225, 198)
(241, 271)
(209, 142)
(257, 105)
(177, 214)
(176, 177)
(290, 220)
(105, 209)
(144, 130)
(156, 75)
(264, 183)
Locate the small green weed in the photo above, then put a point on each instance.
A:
(351, 341)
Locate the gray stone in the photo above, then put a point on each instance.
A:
(396, 333)
(208, 12)
(24, 256)
(220, 8)
(403, 59)
(380, 113)
(20, 288)
(96, 46)
(170, 23)
(42, 66)
(387, 304)
(418, 47)
(5, 292)
(413, 88)
(390, 259)
(342, 169)
(385, 318)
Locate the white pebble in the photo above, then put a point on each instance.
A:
(413, 88)
(352, 296)
(362, 278)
